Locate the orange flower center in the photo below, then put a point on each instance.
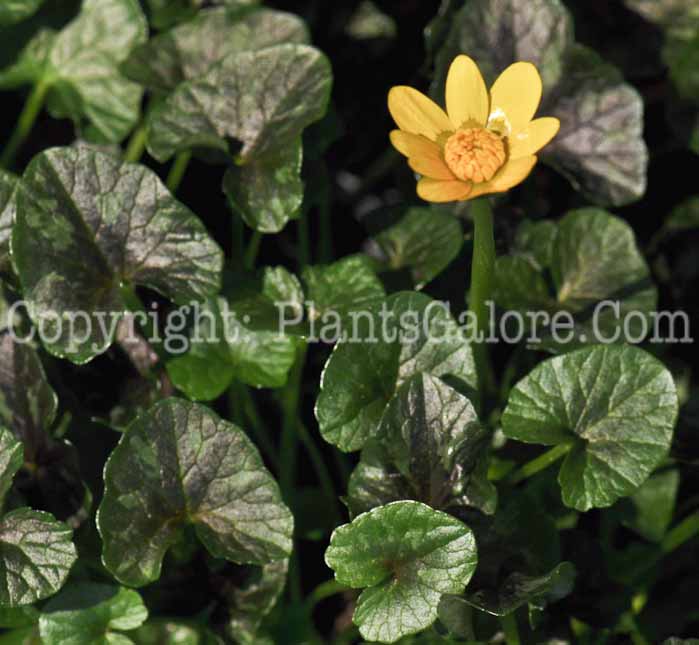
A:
(475, 154)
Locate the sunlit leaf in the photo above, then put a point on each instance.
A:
(614, 405)
(89, 613)
(407, 334)
(180, 464)
(86, 224)
(408, 556)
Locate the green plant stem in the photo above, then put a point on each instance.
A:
(322, 472)
(290, 397)
(25, 123)
(482, 278)
(252, 250)
(304, 240)
(137, 144)
(322, 591)
(509, 627)
(177, 170)
(687, 529)
(539, 463)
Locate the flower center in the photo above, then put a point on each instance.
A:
(474, 154)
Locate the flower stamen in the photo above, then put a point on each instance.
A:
(475, 154)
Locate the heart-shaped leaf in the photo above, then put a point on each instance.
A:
(267, 193)
(496, 33)
(615, 406)
(87, 613)
(86, 224)
(600, 146)
(407, 334)
(424, 240)
(241, 338)
(79, 66)
(653, 505)
(337, 289)
(12, 11)
(518, 589)
(11, 460)
(189, 50)
(36, 554)
(408, 556)
(180, 464)
(434, 444)
(595, 265)
(263, 99)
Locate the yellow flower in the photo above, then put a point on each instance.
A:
(484, 143)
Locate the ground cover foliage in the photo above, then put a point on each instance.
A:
(167, 482)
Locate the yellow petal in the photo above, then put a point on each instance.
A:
(424, 156)
(515, 96)
(466, 94)
(417, 114)
(434, 190)
(514, 172)
(534, 137)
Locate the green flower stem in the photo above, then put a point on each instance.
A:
(252, 250)
(319, 465)
(510, 629)
(137, 144)
(539, 463)
(290, 397)
(177, 170)
(25, 123)
(482, 277)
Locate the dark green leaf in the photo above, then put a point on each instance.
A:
(408, 556)
(615, 405)
(14, 617)
(86, 223)
(11, 460)
(253, 600)
(284, 89)
(518, 589)
(80, 66)
(242, 338)
(374, 482)
(345, 286)
(180, 464)
(496, 33)
(592, 257)
(164, 632)
(599, 147)
(433, 437)
(684, 217)
(654, 505)
(87, 613)
(36, 554)
(27, 401)
(190, 50)
(368, 22)
(407, 334)
(8, 184)
(457, 617)
(12, 11)
(682, 57)
(268, 193)
(425, 241)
